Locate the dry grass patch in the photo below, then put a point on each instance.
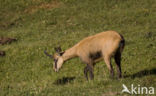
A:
(35, 8)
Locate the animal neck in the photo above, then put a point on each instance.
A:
(69, 53)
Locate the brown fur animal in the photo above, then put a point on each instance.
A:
(91, 49)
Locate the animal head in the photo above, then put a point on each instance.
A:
(58, 60)
(57, 57)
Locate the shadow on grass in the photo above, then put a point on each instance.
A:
(142, 73)
(64, 80)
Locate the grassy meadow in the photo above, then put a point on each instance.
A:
(42, 25)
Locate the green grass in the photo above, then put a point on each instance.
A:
(26, 71)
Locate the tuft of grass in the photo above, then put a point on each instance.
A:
(44, 24)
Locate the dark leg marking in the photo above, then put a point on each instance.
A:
(91, 72)
(118, 62)
(112, 72)
(90, 69)
(93, 56)
(85, 72)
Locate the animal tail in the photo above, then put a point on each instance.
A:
(122, 44)
(48, 54)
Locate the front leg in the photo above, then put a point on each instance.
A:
(85, 72)
(90, 68)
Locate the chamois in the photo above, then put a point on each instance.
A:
(104, 45)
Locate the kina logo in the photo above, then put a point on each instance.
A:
(137, 89)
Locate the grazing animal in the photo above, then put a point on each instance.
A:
(104, 45)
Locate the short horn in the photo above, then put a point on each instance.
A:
(48, 54)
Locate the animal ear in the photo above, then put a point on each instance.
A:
(58, 49)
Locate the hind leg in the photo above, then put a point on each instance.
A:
(107, 60)
(118, 63)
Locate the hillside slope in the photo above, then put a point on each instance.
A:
(42, 25)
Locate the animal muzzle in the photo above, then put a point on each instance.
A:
(56, 70)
